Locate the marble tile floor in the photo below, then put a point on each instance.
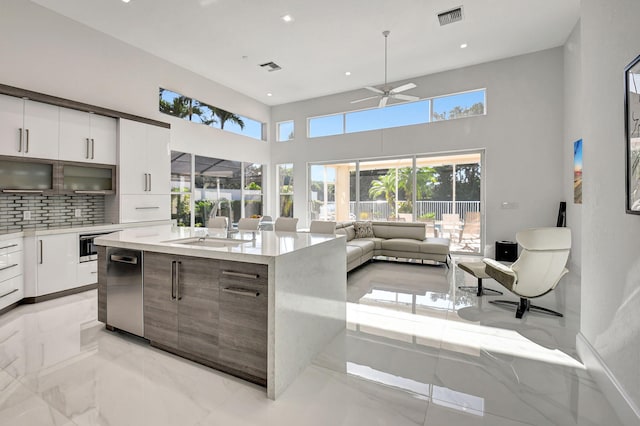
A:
(416, 351)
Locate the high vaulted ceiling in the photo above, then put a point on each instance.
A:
(227, 40)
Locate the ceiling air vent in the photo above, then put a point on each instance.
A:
(450, 16)
(271, 66)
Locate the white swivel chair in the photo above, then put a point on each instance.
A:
(322, 227)
(537, 271)
(248, 224)
(219, 222)
(286, 224)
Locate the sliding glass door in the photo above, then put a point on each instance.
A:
(443, 191)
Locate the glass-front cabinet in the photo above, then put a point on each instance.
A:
(27, 176)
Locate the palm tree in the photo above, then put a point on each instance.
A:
(385, 186)
(225, 116)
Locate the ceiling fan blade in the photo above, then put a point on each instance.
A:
(405, 97)
(383, 101)
(364, 99)
(402, 88)
(375, 90)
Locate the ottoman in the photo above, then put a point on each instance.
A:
(477, 270)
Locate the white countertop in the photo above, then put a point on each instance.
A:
(161, 239)
(87, 229)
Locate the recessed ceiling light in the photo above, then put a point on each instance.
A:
(287, 18)
(347, 73)
(269, 94)
(463, 46)
(125, 1)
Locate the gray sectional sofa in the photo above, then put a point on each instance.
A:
(394, 239)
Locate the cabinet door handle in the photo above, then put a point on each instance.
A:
(146, 182)
(149, 181)
(178, 265)
(240, 275)
(8, 293)
(87, 155)
(93, 148)
(147, 208)
(23, 191)
(41, 256)
(241, 291)
(26, 145)
(9, 246)
(124, 259)
(20, 140)
(173, 280)
(7, 267)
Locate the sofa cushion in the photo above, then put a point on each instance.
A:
(365, 244)
(353, 253)
(416, 231)
(348, 231)
(401, 244)
(435, 246)
(364, 229)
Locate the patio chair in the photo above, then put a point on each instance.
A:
(451, 225)
(470, 231)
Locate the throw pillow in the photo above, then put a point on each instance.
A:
(363, 229)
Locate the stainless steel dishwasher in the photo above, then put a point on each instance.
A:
(124, 290)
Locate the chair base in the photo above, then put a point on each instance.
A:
(479, 290)
(525, 305)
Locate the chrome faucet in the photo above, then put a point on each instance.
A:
(216, 205)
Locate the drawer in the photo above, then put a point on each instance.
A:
(10, 246)
(11, 291)
(141, 208)
(243, 318)
(87, 273)
(11, 265)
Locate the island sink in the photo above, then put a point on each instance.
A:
(210, 242)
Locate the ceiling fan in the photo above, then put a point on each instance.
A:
(387, 91)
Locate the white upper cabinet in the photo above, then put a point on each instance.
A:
(87, 137)
(145, 159)
(28, 128)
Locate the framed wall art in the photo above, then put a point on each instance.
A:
(632, 133)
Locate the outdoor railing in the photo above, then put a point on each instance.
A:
(380, 210)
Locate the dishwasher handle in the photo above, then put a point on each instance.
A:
(124, 259)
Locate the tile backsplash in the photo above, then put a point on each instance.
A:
(49, 211)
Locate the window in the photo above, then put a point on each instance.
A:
(189, 109)
(448, 107)
(285, 189)
(285, 131)
(328, 125)
(213, 187)
(252, 193)
(457, 106)
(383, 190)
(181, 188)
(383, 118)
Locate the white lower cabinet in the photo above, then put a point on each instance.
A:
(87, 273)
(57, 262)
(11, 269)
(142, 208)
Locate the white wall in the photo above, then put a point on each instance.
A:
(573, 101)
(522, 133)
(48, 53)
(610, 320)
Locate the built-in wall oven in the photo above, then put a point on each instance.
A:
(88, 250)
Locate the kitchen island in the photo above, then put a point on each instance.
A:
(256, 305)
